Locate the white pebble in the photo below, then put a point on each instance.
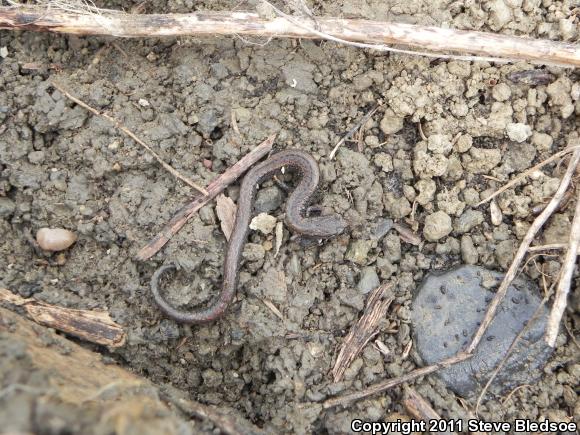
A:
(264, 223)
(518, 132)
(55, 239)
(496, 214)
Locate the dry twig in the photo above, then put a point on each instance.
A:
(216, 187)
(365, 329)
(353, 130)
(551, 246)
(390, 383)
(93, 326)
(513, 344)
(360, 33)
(419, 408)
(565, 279)
(132, 135)
(527, 172)
(523, 248)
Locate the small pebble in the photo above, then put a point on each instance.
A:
(369, 280)
(382, 227)
(501, 92)
(3, 52)
(7, 207)
(437, 226)
(468, 251)
(263, 223)
(463, 144)
(518, 132)
(391, 123)
(55, 239)
(253, 252)
(439, 143)
(358, 251)
(496, 215)
(468, 220)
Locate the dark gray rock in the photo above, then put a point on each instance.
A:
(369, 280)
(7, 207)
(268, 200)
(449, 307)
(381, 228)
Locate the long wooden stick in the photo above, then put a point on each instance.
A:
(216, 187)
(434, 39)
(345, 399)
(565, 282)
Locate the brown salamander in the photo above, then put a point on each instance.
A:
(309, 226)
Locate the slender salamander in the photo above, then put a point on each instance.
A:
(306, 168)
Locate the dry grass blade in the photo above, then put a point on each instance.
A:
(365, 329)
(345, 399)
(551, 246)
(273, 308)
(352, 131)
(132, 135)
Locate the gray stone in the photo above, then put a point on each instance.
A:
(369, 280)
(469, 219)
(437, 226)
(448, 309)
(268, 199)
(382, 227)
(391, 123)
(7, 207)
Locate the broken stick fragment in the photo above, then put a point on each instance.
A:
(366, 328)
(420, 409)
(93, 326)
(433, 41)
(216, 187)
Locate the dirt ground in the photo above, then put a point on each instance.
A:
(62, 167)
